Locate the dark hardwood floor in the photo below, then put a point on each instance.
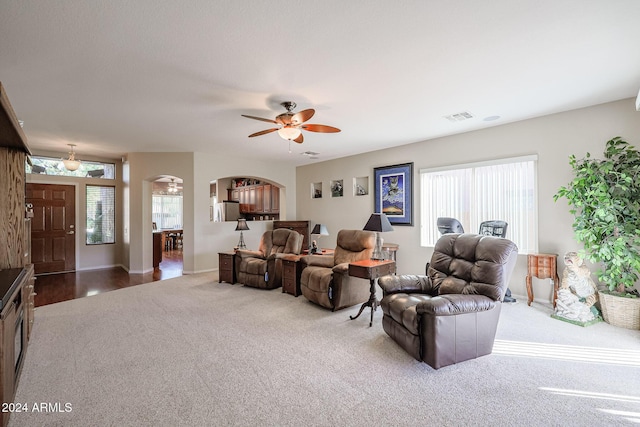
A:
(52, 288)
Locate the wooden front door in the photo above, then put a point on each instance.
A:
(53, 227)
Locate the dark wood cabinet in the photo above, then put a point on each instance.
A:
(226, 267)
(158, 238)
(16, 271)
(16, 320)
(266, 198)
(291, 272)
(275, 199)
(28, 296)
(301, 227)
(257, 199)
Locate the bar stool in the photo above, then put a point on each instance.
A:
(170, 242)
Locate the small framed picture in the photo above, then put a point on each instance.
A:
(337, 188)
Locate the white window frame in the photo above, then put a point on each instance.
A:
(463, 209)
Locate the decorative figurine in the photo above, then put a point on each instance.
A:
(314, 248)
(578, 293)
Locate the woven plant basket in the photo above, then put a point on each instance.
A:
(620, 311)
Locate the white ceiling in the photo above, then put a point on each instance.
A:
(175, 75)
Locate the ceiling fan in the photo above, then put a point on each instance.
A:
(292, 124)
(173, 186)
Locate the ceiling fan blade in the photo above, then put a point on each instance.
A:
(263, 132)
(320, 128)
(259, 118)
(302, 116)
(299, 139)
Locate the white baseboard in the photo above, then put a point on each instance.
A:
(209, 270)
(101, 267)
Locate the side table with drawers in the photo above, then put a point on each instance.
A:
(226, 267)
(542, 266)
(291, 271)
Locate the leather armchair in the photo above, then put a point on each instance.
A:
(451, 314)
(263, 268)
(325, 279)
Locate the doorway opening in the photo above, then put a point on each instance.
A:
(167, 217)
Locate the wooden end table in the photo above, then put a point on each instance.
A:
(291, 271)
(226, 267)
(324, 251)
(371, 269)
(542, 266)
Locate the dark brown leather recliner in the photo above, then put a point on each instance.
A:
(325, 279)
(263, 268)
(451, 314)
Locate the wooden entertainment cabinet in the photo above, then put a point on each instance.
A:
(16, 270)
(16, 321)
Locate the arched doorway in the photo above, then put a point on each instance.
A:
(168, 220)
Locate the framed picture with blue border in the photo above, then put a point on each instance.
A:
(393, 188)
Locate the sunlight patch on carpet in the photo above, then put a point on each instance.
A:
(608, 356)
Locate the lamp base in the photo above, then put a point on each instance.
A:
(241, 244)
(377, 251)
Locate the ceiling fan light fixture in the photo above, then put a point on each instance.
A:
(71, 164)
(289, 133)
(173, 186)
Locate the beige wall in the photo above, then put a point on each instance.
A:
(89, 257)
(553, 138)
(203, 239)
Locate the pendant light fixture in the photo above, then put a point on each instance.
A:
(71, 164)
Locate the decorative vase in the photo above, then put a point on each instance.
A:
(620, 311)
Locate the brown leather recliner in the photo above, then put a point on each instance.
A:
(263, 268)
(451, 314)
(325, 279)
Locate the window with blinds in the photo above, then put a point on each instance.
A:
(88, 169)
(498, 190)
(167, 211)
(101, 214)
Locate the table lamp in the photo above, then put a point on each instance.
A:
(242, 225)
(378, 223)
(319, 230)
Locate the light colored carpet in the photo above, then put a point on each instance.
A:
(194, 352)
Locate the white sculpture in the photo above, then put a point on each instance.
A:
(578, 293)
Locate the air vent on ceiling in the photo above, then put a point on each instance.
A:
(310, 154)
(459, 117)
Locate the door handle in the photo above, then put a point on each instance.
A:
(71, 232)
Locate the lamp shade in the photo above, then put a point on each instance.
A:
(378, 222)
(242, 225)
(289, 133)
(320, 229)
(71, 164)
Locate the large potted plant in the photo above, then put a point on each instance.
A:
(604, 197)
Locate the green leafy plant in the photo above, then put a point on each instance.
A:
(604, 197)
